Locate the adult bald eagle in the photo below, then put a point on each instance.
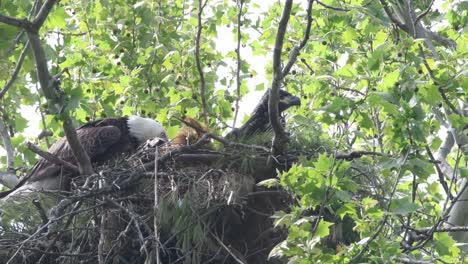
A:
(103, 140)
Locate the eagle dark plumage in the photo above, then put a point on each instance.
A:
(259, 121)
(103, 140)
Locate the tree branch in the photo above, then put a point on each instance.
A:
(16, 22)
(440, 174)
(8, 178)
(51, 157)
(332, 7)
(423, 14)
(201, 6)
(392, 17)
(297, 48)
(16, 71)
(280, 137)
(240, 4)
(50, 88)
(42, 14)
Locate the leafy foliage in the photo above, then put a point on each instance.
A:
(365, 84)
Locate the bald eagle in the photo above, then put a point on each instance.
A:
(103, 140)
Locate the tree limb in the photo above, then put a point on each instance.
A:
(51, 157)
(42, 14)
(8, 177)
(297, 48)
(51, 90)
(240, 4)
(440, 174)
(201, 6)
(16, 22)
(392, 17)
(332, 7)
(423, 14)
(280, 137)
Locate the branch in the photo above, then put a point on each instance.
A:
(296, 49)
(240, 4)
(51, 157)
(156, 205)
(50, 88)
(357, 154)
(392, 17)
(332, 7)
(8, 147)
(423, 14)
(384, 221)
(17, 70)
(440, 174)
(280, 137)
(8, 177)
(16, 22)
(441, 91)
(201, 6)
(42, 14)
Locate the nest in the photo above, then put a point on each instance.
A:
(207, 212)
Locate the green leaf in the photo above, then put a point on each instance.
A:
(323, 229)
(403, 206)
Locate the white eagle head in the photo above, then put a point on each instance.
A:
(145, 128)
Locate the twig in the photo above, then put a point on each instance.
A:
(440, 174)
(41, 211)
(233, 255)
(240, 4)
(156, 204)
(297, 48)
(220, 139)
(51, 157)
(16, 71)
(384, 221)
(423, 14)
(201, 6)
(431, 74)
(357, 154)
(332, 7)
(44, 125)
(392, 17)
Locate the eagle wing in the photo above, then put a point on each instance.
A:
(95, 141)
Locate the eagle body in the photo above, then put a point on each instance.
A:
(103, 140)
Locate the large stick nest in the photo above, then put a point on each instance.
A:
(208, 212)
(208, 208)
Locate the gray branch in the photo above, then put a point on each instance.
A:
(280, 138)
(8, 177)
